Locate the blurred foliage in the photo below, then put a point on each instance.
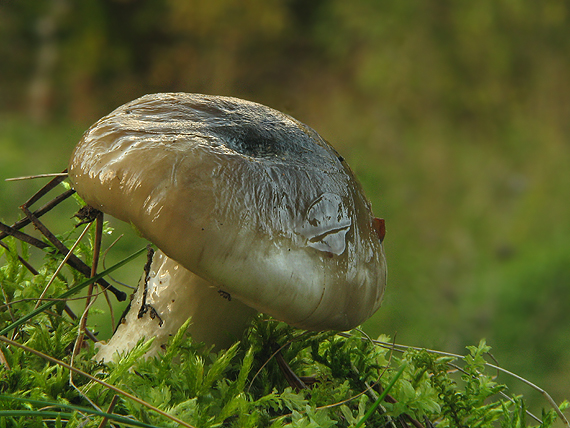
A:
(454, 114)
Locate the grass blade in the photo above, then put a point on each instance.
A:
(382, 396)
(54, 414)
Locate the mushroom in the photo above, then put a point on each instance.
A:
(251, 210)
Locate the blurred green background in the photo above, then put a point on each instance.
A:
(455, 115)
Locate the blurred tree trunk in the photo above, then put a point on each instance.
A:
(40, 89)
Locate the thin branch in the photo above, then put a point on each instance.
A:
(292, 379)
(30, 177)
(13, 230)
(105, 258)
(63, 262)
(545, 394)
(44, 190)
(94, 264)
(76, 347)
(10, 231)
(273, 356)
(72, 315)
(3, 360)
(110, 409)
(41, 211)
(73, 261)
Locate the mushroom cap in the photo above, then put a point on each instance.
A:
(244, 196)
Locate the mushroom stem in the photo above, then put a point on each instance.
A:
(165, 299)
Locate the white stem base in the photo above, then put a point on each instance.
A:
(174, 294)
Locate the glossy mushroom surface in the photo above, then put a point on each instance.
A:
(246, 197)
